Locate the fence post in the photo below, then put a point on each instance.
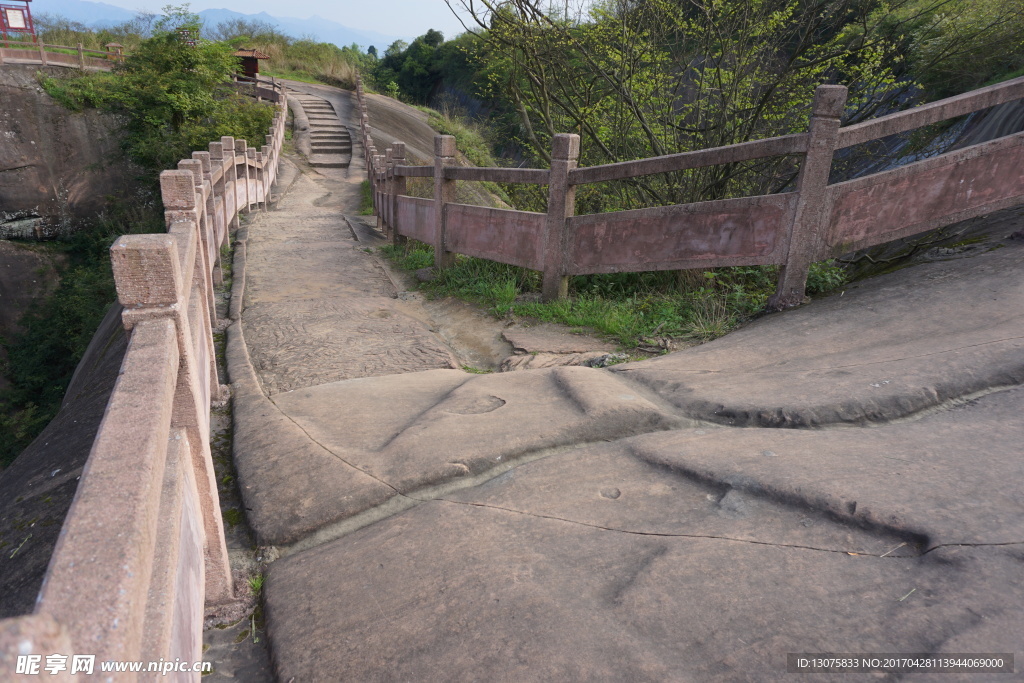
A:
(242, 149)
(384, 215)
(81, 57)
(811, 217)
(398, 187)
(177, 188)
(444, 193)
(561, 205)
(42, 54)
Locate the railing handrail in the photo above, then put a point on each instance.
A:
(143, 519)
(816, 221)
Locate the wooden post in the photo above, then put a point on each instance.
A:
(444, 193)
(42, 54)
(81, 57)
(398, 188)
(561, 205)
(811, 217)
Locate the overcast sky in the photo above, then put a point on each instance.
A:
(390, 17)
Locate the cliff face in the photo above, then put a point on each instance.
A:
(55, 165)
(39, 486)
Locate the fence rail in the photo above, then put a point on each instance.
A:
(142, 548)
(792, 230)
(47, 55)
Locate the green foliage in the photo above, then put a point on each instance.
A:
(173, 91)
(365, 199)
(57, 330)
(695, 305)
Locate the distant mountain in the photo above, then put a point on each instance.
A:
(100, 14)
(94, 14)
(324, 30)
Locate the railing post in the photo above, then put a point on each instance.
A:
(42, 54)
(384, 215)
(444, 193)
(242, 155)
(398, 188)
(561, 205)
(206, 159)
(197, 382)
(81, 57)
(220, 190)
(253, 172)
(811, 217)
(231, 180)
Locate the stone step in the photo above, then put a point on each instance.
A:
(329, 161)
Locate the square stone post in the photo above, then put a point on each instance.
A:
(242, 158)
(398, 188)
(81, 57)
(811, 217)
(253, 169)
(149, 281)
(220, 190)
(384, 215)
(561, 205)
(42, 54)
(444, 193)
(231, 180)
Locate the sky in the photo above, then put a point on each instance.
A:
(409, 18)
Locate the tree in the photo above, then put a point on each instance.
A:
(643, 78)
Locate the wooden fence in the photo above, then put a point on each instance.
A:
(48, 55)
(792, 230)
(142, 547)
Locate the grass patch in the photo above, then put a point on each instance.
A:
(625, 307)
(365, 199)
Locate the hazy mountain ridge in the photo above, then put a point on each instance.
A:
(100, 14)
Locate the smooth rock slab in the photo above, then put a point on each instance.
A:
(460, 593)
(951, 477)
(425, 438)
(552, 339)
(885, 349)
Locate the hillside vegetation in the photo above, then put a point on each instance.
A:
(641, 79)
(173, 97)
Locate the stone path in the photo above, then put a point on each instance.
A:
(844, 477)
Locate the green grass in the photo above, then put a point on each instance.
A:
(625, 307)
(365, 199)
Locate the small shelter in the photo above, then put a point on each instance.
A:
(250, 61)
(16, 18)
(117, 49)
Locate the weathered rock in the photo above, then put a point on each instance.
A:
(37, 489)
(535, 361)
(884, 349)
(54, 163)
(547, 338)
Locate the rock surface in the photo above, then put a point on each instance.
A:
(574, 523)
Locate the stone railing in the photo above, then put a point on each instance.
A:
(142, 548)
(58, 55)
(792, 229)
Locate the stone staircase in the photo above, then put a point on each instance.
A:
(330, 141)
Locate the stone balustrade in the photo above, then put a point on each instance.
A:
(792, 230)
(142, 548)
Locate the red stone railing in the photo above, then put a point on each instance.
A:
(142, 548)
(791, 230)
(47, 55)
